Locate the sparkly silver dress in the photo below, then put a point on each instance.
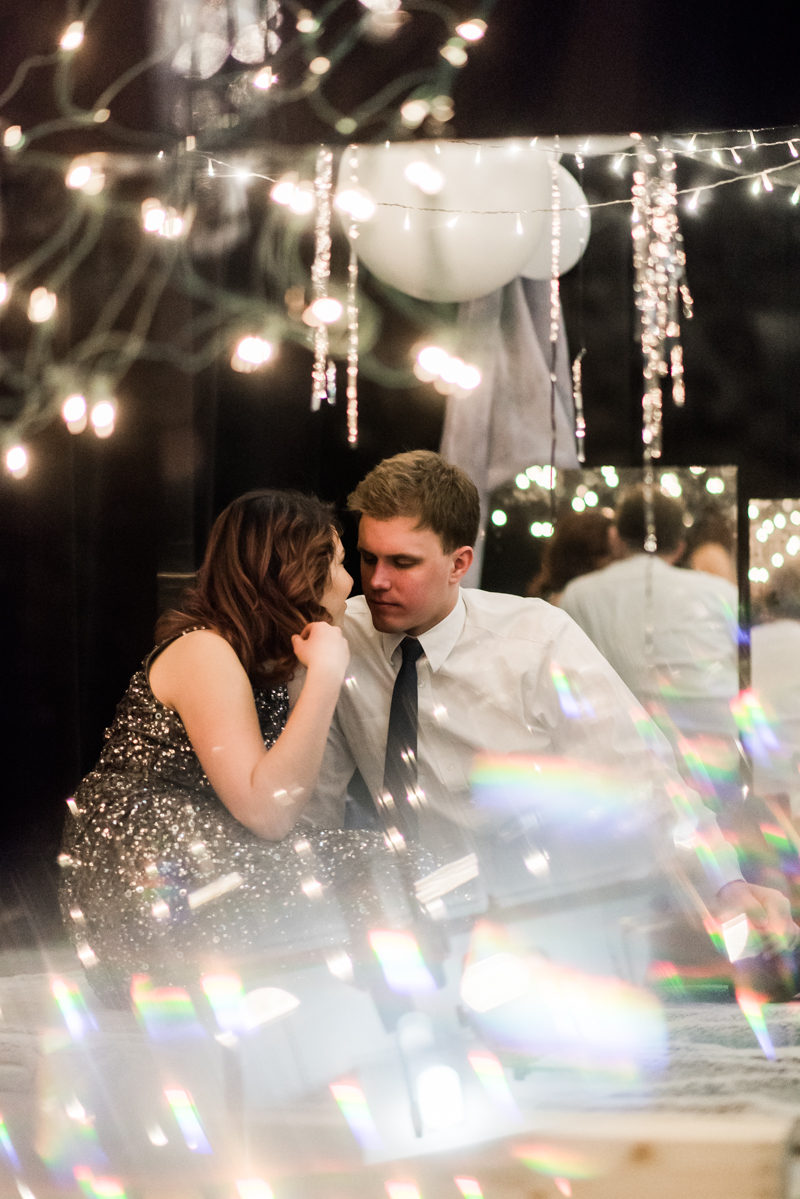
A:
(158, 877)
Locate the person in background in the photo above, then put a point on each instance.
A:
(775, 665)
(579, 545)
(711, 546)
(689, 675)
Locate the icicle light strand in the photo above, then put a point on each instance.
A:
(321, 271)
(555, 307)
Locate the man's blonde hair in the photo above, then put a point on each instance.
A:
(423, 485)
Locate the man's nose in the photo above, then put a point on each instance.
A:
(381, 578)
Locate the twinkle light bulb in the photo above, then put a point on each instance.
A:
(425, 177)
(432, 359)
(79, 174)
(103, 417)
(795, 196)
(42, 305)
(282, 191)
(302, 200)
(471, 31)
(17, 461)
(793, 150)
(692, 203)
(72, 37)
(455, 55)
(327, 310)
(172, 226)
(414, 112)
(357, 203)
(250, 354)
(73, 412)
(765, 179)
(319, 66)
(12, 136)
(153, 215)
(735, 156)
(306, 22)
(264, 79)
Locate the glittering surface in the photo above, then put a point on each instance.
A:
(158, 876)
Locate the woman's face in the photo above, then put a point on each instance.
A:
(339, 586)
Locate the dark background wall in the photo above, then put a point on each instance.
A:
(99, 530)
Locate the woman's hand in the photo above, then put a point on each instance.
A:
(322, 647)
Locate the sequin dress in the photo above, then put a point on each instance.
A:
(158, 876)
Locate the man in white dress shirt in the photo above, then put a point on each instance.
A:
(497, 674)
(692, 673)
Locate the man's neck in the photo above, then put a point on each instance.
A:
(426, 626)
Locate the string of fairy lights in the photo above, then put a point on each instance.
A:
(46, 374)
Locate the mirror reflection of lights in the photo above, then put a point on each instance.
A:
(544, 476)
(590, 499)
(578, 504)
(768, 527)
(12, 137)
(250, 354)
(777, 560)
(499, 517)
(779, 520)
(753, 512)
(103, 416)
(670, 485)
(715, 485)
(326, 310)
(697, 470)
(522, 482)
(792, 546)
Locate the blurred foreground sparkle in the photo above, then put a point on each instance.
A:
(253, 1188)
(751, 1005)
(402, 1190)
(401, 961)
(187, 1120)
(469, 1187)
(353, 1106)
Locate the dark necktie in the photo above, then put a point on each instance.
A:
(400, 770)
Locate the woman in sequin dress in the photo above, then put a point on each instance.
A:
(187, 841)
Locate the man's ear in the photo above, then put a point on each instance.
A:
(462, 560)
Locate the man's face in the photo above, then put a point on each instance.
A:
(409, 582)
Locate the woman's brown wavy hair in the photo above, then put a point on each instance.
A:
(265, 571)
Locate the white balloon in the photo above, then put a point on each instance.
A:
(576, 225)
(462, 226)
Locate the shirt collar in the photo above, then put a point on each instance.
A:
(438, 641)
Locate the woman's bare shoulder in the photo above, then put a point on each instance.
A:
(188, 659)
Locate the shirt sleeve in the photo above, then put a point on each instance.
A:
(327, 805)
(593, 719)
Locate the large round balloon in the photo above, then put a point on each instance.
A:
(576, 225)
(452, 221)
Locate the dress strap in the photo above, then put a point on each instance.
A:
(159, 649)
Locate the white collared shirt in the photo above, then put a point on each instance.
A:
(503, 675)
(694, 670)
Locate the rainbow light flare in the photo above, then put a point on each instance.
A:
(253, 1188)
(354, 1108)
(187, 1119)
(226, 996)
(167, 1012)
(77, 1017)
(776, 838)
(401, 962)
(470, 1188)
(97, 1188)
(558, 1161)
(494, 1082)
(751, 1005)
(572, 706)
(402, 1190)
(754, 727)
(8, 1148)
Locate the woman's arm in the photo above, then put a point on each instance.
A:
(202, 679)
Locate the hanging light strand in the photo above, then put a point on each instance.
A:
(555, 306)
(320, 273)
(352, 316)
